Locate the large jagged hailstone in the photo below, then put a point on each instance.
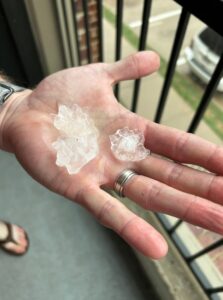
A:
(128, 145)
(78, 141)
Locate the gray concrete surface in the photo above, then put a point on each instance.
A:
(71, 256)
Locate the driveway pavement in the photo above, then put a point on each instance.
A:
(177, 114)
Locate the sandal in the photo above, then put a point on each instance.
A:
(10, 239)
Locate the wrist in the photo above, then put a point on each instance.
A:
(6, 112)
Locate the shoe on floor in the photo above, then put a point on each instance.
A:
(13, 239)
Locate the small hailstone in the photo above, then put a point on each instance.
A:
(128, 145)
(78, 143)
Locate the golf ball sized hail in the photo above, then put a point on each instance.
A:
(128, 145)
(78, 140)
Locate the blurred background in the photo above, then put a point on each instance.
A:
(44, 36)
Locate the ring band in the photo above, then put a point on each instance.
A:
(122, 179)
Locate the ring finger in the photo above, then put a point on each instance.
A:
(158, 197)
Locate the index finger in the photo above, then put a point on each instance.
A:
(183, 147)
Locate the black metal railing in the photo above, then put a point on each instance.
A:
(28, 68)
(191, 259)
(179, 37)
(119, 18)
(188, 9)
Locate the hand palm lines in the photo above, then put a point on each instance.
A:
(154, 187)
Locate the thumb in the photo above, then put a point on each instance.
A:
(134, 66)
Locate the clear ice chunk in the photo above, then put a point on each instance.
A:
(78, 141)
(128, 145)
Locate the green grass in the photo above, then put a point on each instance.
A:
(186, 88)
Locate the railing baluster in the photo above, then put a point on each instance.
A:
(100, 28)
(87, 32)
(142, 45)
(213, 83)
(204, 251)
(119, 16)
(174, 227)
(74, 10)
(214, 290)
(181, 29)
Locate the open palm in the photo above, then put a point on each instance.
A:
(163, 185)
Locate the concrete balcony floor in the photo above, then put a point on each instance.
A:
(71, 256)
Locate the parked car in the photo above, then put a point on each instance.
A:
(204, 53)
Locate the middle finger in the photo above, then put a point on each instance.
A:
(184, 178)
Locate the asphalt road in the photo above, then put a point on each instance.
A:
(163, 23)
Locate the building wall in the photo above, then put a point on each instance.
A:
(93, 30)
(56, 25)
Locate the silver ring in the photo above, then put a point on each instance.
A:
(122, 179)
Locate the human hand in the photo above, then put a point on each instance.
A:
(27, 130)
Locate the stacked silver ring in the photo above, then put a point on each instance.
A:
(122, 179)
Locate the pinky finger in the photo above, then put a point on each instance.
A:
(134, 230)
